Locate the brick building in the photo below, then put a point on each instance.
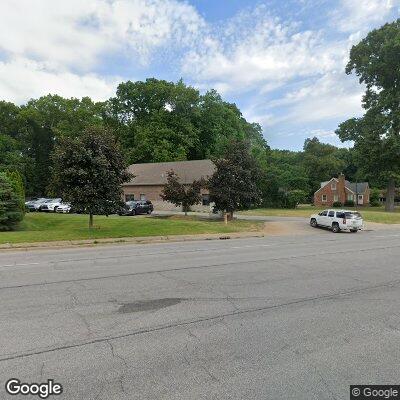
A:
(340, 190)
(150, 179)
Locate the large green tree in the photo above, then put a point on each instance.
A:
(376, 135)
(233, 185)
(155, 119)
(10, 204)
(89, 171)
(158, 120)
(43, 122)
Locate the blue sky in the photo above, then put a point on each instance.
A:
(281, 62)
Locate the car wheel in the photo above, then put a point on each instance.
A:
(354, 230)
(313, 223)
(335, 227)
(133, 212)
(149, 212)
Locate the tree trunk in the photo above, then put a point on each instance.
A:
(389, 204)
(231, 216)
(90, 221)
(225, 217)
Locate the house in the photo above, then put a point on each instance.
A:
(340, 190)
(150, 179)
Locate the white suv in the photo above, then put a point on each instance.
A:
(338, 220)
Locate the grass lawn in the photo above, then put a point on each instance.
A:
(371, 214)
(42, 227)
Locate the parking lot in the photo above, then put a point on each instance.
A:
(281, 317)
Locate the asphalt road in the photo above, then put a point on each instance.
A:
(294, 317)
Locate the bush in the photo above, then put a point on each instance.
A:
(10, 205)
(374, 197)
(337, 204)
(294, 198)
(349, 203)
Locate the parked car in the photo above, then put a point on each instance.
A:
(64, 208)
(34, 205)
(135, 207)
(338, 220)
(31, 201)
(50, 205)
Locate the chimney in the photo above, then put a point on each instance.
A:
(341, 188)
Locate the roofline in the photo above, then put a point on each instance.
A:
(326, 184)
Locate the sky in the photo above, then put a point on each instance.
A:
(281, 62)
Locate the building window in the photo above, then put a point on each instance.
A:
(335, 197)
(142, 197)
(323, 198)
(333, 185)
(129, 197)
(205, 199)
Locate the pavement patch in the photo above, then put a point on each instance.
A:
(148, 305)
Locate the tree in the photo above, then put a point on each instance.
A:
(17, 183)
(154, 120)
(44, 121)
(88, 172)
(185, 195)
(158, 120)
(321, 162)
(10, 205)
(376, 135)
(10, 154)
(233, 185)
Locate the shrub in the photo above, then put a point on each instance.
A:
(295, 197)
(337, 204)
(374, 197)
(17, 183)
(349, 203)
(10, 205)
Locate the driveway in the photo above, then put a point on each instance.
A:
(299, 317)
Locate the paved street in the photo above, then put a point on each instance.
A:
(293, 317)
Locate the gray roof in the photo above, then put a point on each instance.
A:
(156, 173)
(358, 187)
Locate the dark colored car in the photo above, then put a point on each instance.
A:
(135, 207)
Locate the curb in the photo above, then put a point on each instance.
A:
(126, 240)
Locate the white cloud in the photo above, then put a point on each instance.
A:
(51, 45)
(356, 16)
(22, 79)
(76, 33)
(332, 96)
(271, 54)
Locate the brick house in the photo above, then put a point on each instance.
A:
(340, 190)
(150, 179)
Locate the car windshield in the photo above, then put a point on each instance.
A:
(352, 214)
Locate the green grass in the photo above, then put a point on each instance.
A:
(370, 214)
(43, 227)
